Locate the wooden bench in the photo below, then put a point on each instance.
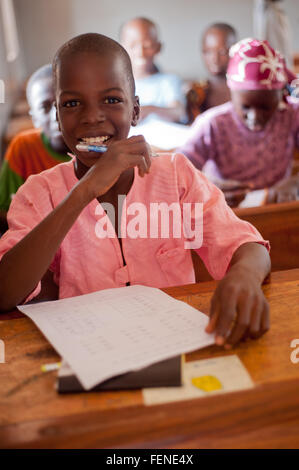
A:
(278, 223)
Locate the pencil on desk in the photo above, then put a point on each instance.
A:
(50, 367)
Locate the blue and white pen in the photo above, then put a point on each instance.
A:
(91, 148)
(98, 148)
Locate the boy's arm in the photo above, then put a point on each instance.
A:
(238, 307)
(23, 266)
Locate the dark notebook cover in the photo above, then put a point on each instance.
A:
(161, 374)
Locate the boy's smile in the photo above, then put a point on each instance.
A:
(95, 102)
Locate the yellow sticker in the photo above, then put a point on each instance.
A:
(207, 383)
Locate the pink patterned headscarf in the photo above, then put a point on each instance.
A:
(255, 65)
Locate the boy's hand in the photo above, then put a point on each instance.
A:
(120, 156)
(238, 309)
(284, 191)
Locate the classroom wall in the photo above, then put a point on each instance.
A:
(11, 75)
(44, 25)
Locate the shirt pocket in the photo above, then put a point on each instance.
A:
(176, 265)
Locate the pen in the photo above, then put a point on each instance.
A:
(91, 148)
(97, 148)
(50, 367)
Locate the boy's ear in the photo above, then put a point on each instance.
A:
(136, 111)
(159, 47)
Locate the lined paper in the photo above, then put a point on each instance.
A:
(113, 331)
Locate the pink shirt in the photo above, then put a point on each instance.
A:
(85, 263)
(237, 153)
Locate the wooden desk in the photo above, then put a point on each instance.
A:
(33, 415)
(278, 223)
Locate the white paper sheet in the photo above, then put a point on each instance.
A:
(162, 134)
(203, 378)
(113, 331)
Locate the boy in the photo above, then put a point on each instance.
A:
(57, 233)
(159, 93)
(215, 44)
(35, 150)
(252, 138)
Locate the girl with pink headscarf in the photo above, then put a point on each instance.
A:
(251, 139)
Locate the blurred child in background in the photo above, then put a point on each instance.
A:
(215, 44)
(35, 150)
(251, 139)
(159, 93)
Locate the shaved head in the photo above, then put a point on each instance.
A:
(137, 22)
(225, 28)
(44, 72)
(98, 44)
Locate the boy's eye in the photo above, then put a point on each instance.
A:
(71, 103)
(112, 100)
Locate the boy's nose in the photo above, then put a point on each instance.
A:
(93, 114)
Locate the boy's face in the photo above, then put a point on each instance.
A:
(215, 49)
(256, 107)
(95, 102)
(42, 111)
(141, 42)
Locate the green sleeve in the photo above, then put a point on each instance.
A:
(9, 184)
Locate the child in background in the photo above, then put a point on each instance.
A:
(34, 150)
(159, 93)
(215, 44)
(55, 216)
(251, 139)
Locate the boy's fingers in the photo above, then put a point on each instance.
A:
(214, 312)
(265, 321)
(238, 331)
(131, 160)
(142, 166)
(141, 148)
(242, 322)
(256, 320)
(227, 316)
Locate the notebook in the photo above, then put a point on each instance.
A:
(166, 373)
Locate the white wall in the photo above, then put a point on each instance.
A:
(11, 75)
(45, 24)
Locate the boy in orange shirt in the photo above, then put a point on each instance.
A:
(34, 150)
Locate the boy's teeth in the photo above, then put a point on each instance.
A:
(95, 140)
